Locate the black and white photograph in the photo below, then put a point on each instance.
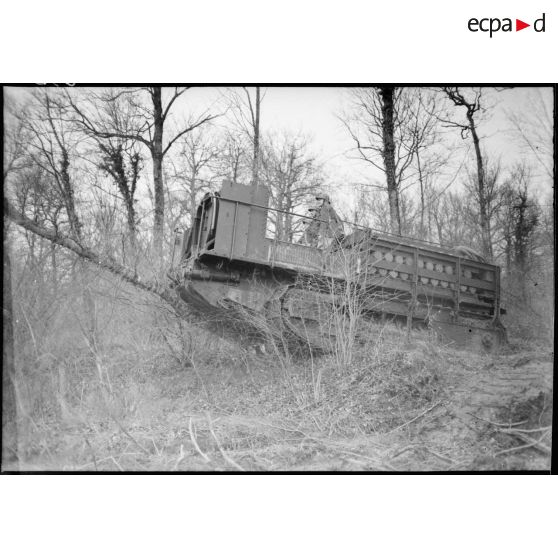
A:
(278, 278)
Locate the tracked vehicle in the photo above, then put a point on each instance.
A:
(243, 281)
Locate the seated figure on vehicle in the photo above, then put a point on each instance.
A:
(324, 226)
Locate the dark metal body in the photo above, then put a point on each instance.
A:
(231, 272)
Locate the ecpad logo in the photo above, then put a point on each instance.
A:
(493, 25)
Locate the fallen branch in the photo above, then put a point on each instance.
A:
(79, 467)
(180, 458)
(416, 418)
(195, 443)
(534, 443)
(424, 448)
(105, 262)
(109, 458)
(403, 450)
(379, 464)
(116, 463)
(519, 433)
(523, 437)
(527, 430)
(439, 456)
(506, 425)
(269, 425)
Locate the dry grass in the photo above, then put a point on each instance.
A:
(145, 392)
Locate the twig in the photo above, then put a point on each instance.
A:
(180, 458)
(528, 439)
(225, 456)
(79, 467)
(519, 433)
(116, 462)
(269, 425)
(506, 425)
(376, 462)
(403, 450)
(92, 453)
(428, 450)
(110, 457)
(442, 457)
(533, 443)
(416, 418)
(156, 448)
(511, 430)
(193, 438)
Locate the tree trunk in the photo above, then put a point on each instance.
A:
(54, 266)
(389, 157)
(288, 234)
(439, 230)
(193, 207)
(422, 204)
(158, 186)
(69, 198)
(131, 220)
(279, 220)
(105, 262)
(256, 157)
(9, 405)
(486, 235)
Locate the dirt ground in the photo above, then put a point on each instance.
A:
(421, 407)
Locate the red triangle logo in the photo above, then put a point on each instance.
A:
(519, 25)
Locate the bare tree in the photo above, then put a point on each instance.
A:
(198, 153)
(122, 162)
(535, 128)
(246, 112)
(430, 159)
(16, 137)
(388, 154)
(52, 147)
(528, 280)
(146, 124)
(451, 215)
(294, 177)
(380, 121)
(49, 209)
(519, 218)
(490, 201)
(9, 402)
(473, 107)
(14, 154)
(104, 262)
(119, 158)
(234, 160)
(35, 194)
(369, 209)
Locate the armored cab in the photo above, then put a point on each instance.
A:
(236, 270)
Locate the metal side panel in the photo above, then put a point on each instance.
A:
(241, 226)
(296, 255)
(257, 245)
(232, 229)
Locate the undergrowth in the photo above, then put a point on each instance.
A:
(137, 389)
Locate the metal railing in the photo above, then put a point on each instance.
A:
(388, 235)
